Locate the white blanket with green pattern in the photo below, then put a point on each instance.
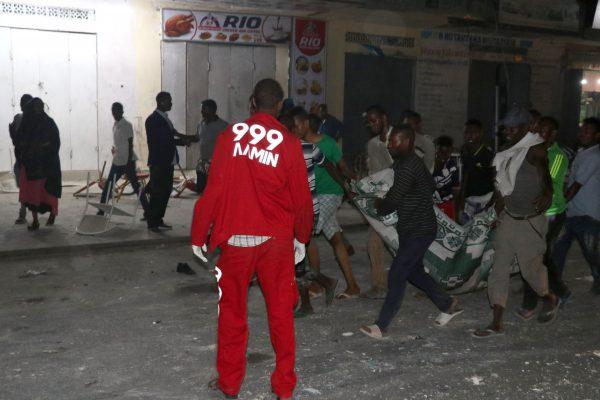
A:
(459, 259)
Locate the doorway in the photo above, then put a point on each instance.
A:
(193, 72)
(494, 88)
(60, 68)
(386, 81)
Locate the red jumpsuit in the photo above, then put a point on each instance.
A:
(257, 186)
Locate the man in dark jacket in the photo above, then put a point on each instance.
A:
(162, 140)
(411, 196)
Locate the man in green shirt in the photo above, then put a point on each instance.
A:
(558, 164)
(330, 192)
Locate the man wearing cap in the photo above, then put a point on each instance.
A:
(523, 193)
(206, 133)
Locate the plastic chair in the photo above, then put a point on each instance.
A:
(93, 224)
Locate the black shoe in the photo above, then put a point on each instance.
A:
(100, 212)
(564, 299)
(154, 229)
(20, 221)
(184, 268)
(165, 226)
(213, 385)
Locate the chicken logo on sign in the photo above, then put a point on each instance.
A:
(209, 22)
(310, 36)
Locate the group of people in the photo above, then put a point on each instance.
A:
(254, 210)
(36, 141)
(272, 183)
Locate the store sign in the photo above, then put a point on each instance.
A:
(380, 40)
(308, 63)
(204, 26)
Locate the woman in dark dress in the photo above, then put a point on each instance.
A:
(38, 143)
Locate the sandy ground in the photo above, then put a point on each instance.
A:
(122, 324)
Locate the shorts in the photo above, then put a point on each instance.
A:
(328, 223)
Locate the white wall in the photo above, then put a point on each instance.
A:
(116, 59)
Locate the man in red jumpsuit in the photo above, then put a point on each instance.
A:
(258, 208)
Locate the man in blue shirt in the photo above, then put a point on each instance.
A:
(583, 208)
(330, 125)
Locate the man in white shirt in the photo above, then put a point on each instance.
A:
(123, 157)
(378, 159)
(424, 146)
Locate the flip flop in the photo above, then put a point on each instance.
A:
(315, 295)
(301, 313)
(548, 316)
(521, 314)
(444, 318)
(330, 293)
(345, 296)
(486, 333)
(373, 331)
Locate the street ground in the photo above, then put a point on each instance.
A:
(122, 324)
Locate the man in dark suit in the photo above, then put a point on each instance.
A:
(162, 140)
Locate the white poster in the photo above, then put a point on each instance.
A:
(308, 63)
(204, 26)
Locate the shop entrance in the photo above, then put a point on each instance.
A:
(60, 68)
(494, 88)
(369, 80)
(193, 72)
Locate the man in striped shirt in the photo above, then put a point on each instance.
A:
(304, 124)
(558, 163)
(411, 196)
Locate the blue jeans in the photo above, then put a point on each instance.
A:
(116, 171)
(586, 231)
(408, 266)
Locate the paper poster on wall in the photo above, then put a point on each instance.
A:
(204, 26)
(308, 63)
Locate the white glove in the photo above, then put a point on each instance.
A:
(299, 251)
(199, 251)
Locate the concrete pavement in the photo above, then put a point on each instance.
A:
(16, 241)
(122, 324)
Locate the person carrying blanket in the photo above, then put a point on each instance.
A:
(411, 196)
(523, 194)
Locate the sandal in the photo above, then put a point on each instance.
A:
(345, 296)
(453, 311)
(525, 314)
(487, 332)
(548, 313)
(444, 318)
(373, 331)
(330, 292)
(300, 313)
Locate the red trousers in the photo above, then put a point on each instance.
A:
(273, 262)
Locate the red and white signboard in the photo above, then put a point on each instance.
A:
(308, 63)
(204, 26)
